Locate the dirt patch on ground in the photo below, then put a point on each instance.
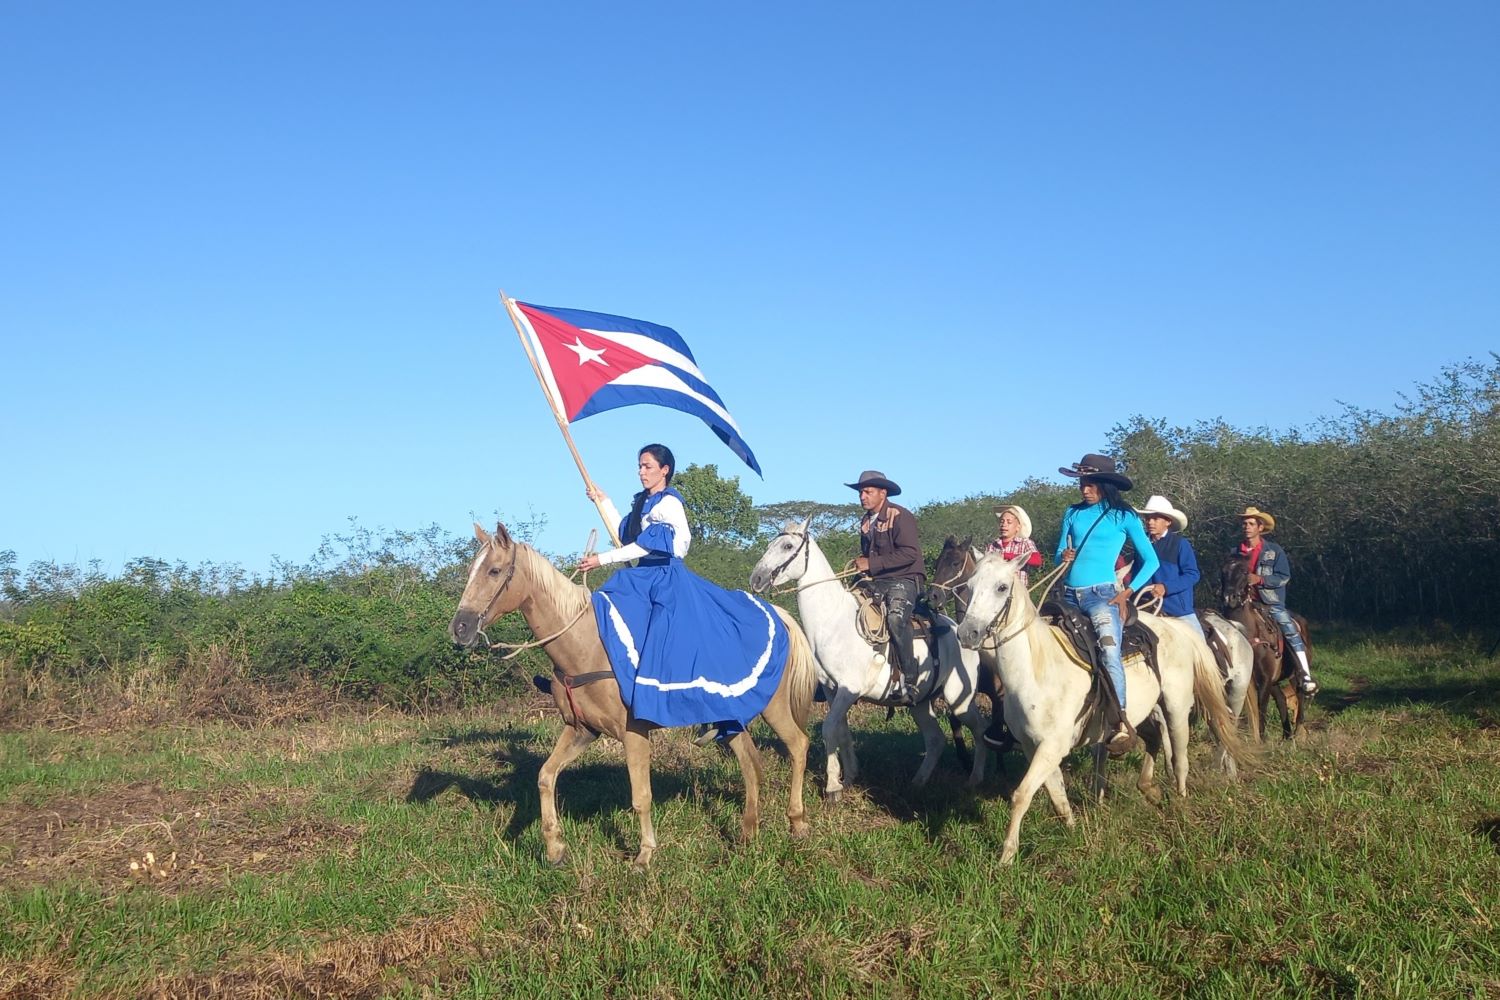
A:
(351, 967)
(172, 838)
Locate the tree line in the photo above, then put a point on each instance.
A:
(1388, 518)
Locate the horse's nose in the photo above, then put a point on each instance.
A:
(464, 629)
(759, 580)
(968, 636)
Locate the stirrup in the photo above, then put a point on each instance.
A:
(1122, 742)
(999, 738)
(707, 734)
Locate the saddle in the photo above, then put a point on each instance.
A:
(869, 618)
(1215, 643)
(1138, 643)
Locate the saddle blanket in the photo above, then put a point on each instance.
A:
(686, 651)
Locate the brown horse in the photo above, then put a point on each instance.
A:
(950, 576)
(1275, 663)
(507, 576)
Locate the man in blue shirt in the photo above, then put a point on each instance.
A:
(1175, 578)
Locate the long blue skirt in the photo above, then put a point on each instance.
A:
(686, 651)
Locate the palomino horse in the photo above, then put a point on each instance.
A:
(1046, 692)
(509, 575)
(1275, 663)
(851, 671)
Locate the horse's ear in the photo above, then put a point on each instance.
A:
(968, 542)
(481, 534)
(974, 551)
(806, 523)
(502, 537)
(950, 541)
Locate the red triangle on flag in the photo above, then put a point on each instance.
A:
(581, 362)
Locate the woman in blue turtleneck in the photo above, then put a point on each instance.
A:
(1093, 533)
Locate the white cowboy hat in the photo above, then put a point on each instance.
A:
(1021, 516)
(1159, 504)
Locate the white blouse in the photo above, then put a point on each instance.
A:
(668, 511)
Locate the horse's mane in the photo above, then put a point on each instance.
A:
(548, 581)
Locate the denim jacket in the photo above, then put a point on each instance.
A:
(1274, 570)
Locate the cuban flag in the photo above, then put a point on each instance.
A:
(591, 362)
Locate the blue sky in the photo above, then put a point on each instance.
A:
(251, 252)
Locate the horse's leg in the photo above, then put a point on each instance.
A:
(638, 762)
(965, 758)
(932, 739)
(1179, 723)
(779, 717)
(1058, 793)
(974, 719)
(750, 767)
(1283, 708)
(835, 740)
(570, 743)
(1155, 739)
(1044, 763)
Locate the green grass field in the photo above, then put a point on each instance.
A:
(384, 855)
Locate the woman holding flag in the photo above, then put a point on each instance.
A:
(684, 650)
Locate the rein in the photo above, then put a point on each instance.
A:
(805, 548)
(1045, 584)
(516, 649)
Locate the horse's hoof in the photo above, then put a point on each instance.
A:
(562, 859)
(833, 798)
(800, 829)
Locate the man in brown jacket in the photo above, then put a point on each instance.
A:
(891, 557)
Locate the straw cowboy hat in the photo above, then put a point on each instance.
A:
(1100, 467)
(1021, 516)
(1159, 504)
(1265, 519)
(872, 478)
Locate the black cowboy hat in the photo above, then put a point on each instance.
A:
(872, 478)
(1100, 467)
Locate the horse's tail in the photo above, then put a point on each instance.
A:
(1252, 701)
(1208, 692)
(801, 670)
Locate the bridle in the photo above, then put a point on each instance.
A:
(804, 546)
(510, 572)
(959, 579)
(1045, 584)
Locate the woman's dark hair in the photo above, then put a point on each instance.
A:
(664, 457)
(1109, 495)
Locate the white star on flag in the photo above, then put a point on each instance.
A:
(586, 353)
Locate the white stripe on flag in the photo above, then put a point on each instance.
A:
(656, 377)
(549, 383)
(642, 344)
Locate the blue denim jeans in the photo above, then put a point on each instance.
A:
(1094, 602)
(1192, 622)
(1288, 627)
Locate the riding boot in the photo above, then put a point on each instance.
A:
(903, 651)
(1308, 685)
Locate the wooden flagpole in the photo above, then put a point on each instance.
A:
(556, 407)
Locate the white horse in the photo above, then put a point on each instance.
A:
(1045, 691)
(850, 671)
(1239, 686)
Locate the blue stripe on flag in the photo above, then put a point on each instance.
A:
(585, 320)
(613, 396)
